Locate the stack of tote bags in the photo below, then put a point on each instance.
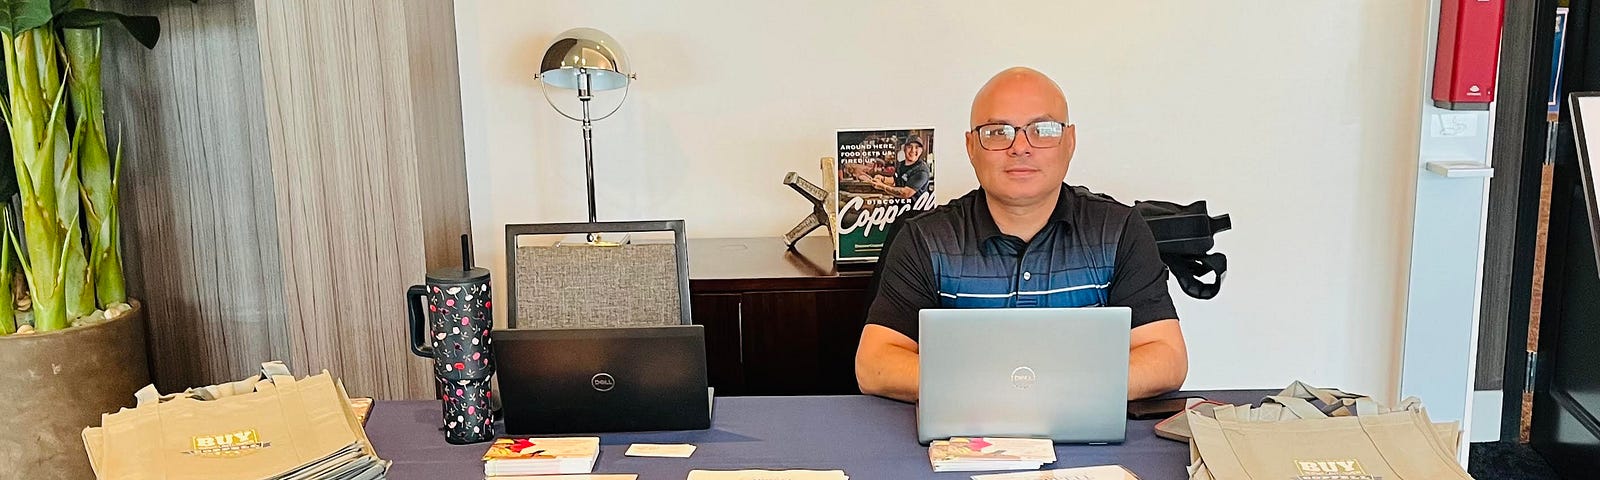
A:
(1349, 437)
(267, 427)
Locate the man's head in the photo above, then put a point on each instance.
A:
(912, 149)
(1032, 168)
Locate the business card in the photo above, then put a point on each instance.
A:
(767, 475)
(586, 476)
(681, 450)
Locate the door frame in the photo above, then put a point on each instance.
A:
(1580, 73)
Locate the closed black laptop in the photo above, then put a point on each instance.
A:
(603, 379)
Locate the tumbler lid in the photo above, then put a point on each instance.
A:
(466, 274)
(457, 275)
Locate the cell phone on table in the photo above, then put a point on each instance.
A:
(1158, 408)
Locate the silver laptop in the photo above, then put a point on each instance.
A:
(1058, 373)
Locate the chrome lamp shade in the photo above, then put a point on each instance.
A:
(581, 51)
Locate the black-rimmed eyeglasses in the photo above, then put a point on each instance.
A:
(1041, 134)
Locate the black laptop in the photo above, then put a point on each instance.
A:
(563, 381)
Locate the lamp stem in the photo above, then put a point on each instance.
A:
(584, 95)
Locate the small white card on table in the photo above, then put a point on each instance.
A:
(768, 475)
(683, 450)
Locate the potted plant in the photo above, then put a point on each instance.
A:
(73, 346)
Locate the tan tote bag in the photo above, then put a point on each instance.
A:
(1289, 438)
(225, 432)
(1332, 402)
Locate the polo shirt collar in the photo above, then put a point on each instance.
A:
(987, 229)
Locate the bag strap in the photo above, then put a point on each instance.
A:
(1366, 406)
(1410, 403)
(278, 373)
(1298, 406)
(1267, 412)
(273, 369)
(1188, 271)
(1338, 401)
(147, 396)
(1325, 395)
(1220, 223)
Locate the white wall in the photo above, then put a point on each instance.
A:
(1298, 118)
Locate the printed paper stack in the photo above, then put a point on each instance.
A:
(1102, 472)
(983, 454)
(768, 475)
(541, 456)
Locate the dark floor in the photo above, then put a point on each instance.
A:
(1507, 461)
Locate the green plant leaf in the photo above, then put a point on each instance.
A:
(17, 16)
(145, 29)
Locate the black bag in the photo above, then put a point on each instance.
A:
(1183, 236)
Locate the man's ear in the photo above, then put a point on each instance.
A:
(1072, 141)
(972, 145)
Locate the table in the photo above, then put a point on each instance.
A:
(869, 438)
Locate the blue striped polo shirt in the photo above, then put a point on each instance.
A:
(1093, 252)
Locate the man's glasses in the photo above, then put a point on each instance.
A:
(1041, 134)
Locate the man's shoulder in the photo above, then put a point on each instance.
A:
(1095, 205)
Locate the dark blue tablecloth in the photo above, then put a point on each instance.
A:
(869, 438)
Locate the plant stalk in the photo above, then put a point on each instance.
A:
(36, 127)
(96, 168)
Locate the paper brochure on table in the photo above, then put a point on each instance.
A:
(981, 454)
(768, 475)
(1101, 472)
(541, 456)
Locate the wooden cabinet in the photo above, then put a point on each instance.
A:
(778, 321)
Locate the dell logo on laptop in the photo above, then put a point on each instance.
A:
(1022, 378)
(603, 382)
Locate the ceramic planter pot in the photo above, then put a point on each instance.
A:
(59, 382)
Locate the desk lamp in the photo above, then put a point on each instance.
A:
(586, 60)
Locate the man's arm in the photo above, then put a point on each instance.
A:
(886, 360)
(1158, 361)
(887, 364)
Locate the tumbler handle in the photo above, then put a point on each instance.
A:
(419, 323)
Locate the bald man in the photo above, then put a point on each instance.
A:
(1022, 239)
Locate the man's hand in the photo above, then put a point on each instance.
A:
(1158, 360)
(886, 364)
